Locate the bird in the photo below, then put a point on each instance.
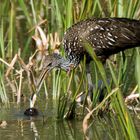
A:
(106, 36)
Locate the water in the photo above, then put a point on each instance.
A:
(47, 127)
(36, 129)
(43, 127)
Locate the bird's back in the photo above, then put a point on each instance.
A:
(107, 36)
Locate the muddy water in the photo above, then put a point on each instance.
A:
(43, 127)
(46, 127)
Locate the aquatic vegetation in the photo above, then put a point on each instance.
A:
(30, 30)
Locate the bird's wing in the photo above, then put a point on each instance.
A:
(113, 35)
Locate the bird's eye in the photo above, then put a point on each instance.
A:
(50, 64)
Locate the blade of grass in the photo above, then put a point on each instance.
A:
(23, 5)
(120, 107)
(137, 69)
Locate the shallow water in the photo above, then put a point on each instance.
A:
(46, 127)
(43, 127)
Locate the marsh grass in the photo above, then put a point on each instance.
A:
(116, 99)
(18, 20)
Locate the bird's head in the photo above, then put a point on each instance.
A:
(57, 61)
(53, 61)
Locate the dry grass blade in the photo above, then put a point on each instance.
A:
(43, 37)
(6, 63)
(88, 116)
(14, 60)
(19, 87)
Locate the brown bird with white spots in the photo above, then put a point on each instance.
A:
(107, 36)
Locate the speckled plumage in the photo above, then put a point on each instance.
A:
(107, 36)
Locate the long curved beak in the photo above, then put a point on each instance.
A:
(42, 78)
(38, 86)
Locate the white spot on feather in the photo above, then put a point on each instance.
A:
(111, 39)
(109, 34)
(96, 27)
(91, 29)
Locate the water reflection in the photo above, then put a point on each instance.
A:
(106, 128)
(46, 127)
(37, 128)
(34, 129)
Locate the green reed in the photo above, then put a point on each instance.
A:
(3, 94)
(17, 19)
(117, 101)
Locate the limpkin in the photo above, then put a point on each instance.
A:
(107, 36)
